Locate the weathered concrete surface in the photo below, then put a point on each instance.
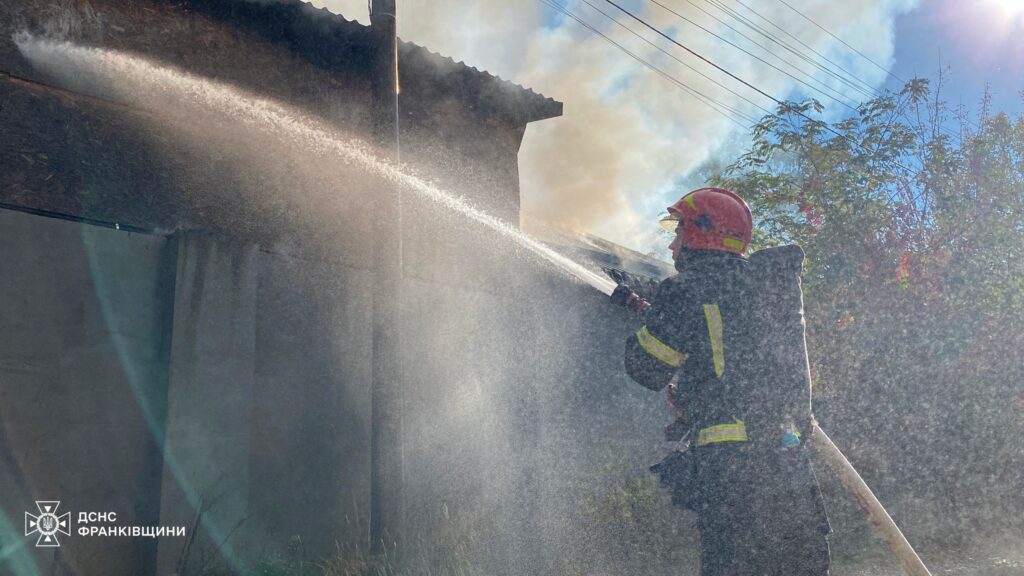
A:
(210, 399)
(310, 460)
(514, 390)
(513, 378)
(83, 317)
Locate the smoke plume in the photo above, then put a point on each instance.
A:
(631, 142)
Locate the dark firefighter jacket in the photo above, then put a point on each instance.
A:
(733, 328)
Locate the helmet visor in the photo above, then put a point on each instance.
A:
(669, 222)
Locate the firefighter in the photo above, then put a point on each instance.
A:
(727, 331)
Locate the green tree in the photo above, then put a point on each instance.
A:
(914, 293)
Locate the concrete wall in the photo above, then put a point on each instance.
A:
(238, 334)
(210, 401)
(258, 363)
(311, 430)
(84, 318)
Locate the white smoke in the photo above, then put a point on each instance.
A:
(630, 141)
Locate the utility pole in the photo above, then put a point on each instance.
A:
(386, 505)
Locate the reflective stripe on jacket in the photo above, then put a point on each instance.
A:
(732, 432)
(732, 329)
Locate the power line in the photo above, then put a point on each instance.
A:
(716, 66)
(861, 54)
(844, 43)
(823, 125)
(703, 98)
(796, 53)
(849, 78)
(729, 11)
(720, 5)
(676, 58)
(759, 59)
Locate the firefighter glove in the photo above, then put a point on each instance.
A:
(624, 296)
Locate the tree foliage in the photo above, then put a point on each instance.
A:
(914, 291)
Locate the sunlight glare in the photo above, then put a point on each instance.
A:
(1011, 7)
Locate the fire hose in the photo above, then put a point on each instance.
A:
(827, 451)
(824, 449)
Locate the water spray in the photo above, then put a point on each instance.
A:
(117, 69)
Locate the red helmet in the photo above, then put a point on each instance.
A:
(713, 219)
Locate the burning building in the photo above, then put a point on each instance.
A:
(188, 300)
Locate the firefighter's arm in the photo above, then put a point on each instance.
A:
(650, 361)
(654, 353)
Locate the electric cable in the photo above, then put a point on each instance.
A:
(874, 94)
(838, 72)
(813, 62)
(823, 125)
(751, 54)
(720, 5)
(676, 58)
(861, 54)
(778, 102)
(703, 98)
(702, 58)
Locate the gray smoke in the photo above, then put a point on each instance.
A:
(630, 142)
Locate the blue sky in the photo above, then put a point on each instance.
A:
(978, 42)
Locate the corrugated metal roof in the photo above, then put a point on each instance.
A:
(330, 41)
(597, 253)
